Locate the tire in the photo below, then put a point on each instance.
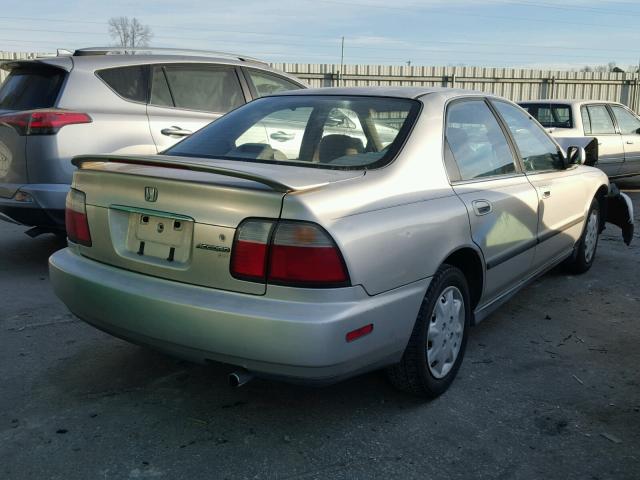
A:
(420, 371)
(585, 251)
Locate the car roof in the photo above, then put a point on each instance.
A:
(384, 91)
(565, 102)
(98, 62)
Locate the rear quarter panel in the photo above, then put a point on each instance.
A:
(395, 225)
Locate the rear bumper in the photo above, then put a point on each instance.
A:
(45, 207)
(296, 334)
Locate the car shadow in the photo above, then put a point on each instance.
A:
(25, 254)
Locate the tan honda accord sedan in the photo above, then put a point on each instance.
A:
(345, 254)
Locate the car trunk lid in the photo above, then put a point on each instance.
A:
(176, 218)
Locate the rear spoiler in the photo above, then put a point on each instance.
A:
(62, 63)
(152, 161)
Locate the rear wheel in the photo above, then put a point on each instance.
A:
(585, 252)
(439, 338)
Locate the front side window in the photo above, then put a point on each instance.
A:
(130, 83)
(601, 122)
(339, 132)
(266, 84)
(200, 87)
(627, 122)
(476, 141)
(538, 151)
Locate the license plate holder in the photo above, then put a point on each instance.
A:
(159, 236)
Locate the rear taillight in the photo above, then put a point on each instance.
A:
(287, 253)
(75, 216)
(249, 254)
(43, 122)
(303, 253)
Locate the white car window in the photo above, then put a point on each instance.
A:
(601, 121)
(627, 122)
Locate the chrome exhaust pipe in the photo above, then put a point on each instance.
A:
(239, 378)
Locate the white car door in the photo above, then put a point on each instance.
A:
(629, 127)
(186, 97)
(598, 123)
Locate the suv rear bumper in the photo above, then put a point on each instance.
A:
(291, 333)
(43, 208)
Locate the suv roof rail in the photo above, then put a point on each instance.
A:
(155, 51)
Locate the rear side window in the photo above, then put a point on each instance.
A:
(266, 84)
(601, 121)
(30, 88)
(476, 142)
(128, 82)
(210, 89)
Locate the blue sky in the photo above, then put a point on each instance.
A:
(526, 33)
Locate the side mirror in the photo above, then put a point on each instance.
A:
(638, 130)
(576, 155)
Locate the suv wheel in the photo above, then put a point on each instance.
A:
(439, 338)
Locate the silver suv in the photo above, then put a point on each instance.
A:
(108, 101)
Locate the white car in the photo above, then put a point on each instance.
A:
(616, 127)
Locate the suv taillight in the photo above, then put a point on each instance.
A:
(75, 217)
(43, 122)
(293, 253)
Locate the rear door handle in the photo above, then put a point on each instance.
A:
(175, 131)
(482, 207)
(629, 142)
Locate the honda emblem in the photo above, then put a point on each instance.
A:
(150, 194)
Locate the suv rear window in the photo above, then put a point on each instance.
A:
(128, 82)
(30, 88)
(550, 115)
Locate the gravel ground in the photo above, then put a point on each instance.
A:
(550, 388)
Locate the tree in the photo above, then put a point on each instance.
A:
(129, 32)
(609, 67)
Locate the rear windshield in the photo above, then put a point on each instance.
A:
(30, 88)
(550, 115)
(337, 132)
